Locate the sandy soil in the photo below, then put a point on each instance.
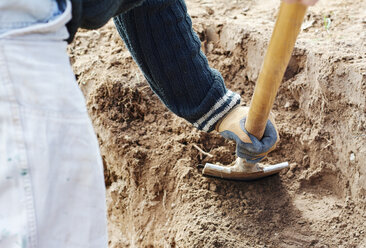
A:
(157, 196)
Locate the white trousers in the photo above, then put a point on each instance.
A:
(52, 191)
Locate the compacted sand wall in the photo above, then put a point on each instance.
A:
(157, 196)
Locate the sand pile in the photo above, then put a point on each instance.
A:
(157, 196)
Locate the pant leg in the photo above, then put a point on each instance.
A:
(160, 37)
(52, 191)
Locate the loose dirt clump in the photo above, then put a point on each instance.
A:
(156, 194)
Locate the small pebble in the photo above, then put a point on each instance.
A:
(213, 187)
(287, 105)
(352, 157)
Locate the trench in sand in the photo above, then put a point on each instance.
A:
(156, 194)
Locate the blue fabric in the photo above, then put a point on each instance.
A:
(24, 13)
(255, 151)
(160, 38)
(92, 14)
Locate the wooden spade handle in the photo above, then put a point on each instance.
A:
(278, 55)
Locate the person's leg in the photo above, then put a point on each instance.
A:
(160, 37)
(52, 191)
